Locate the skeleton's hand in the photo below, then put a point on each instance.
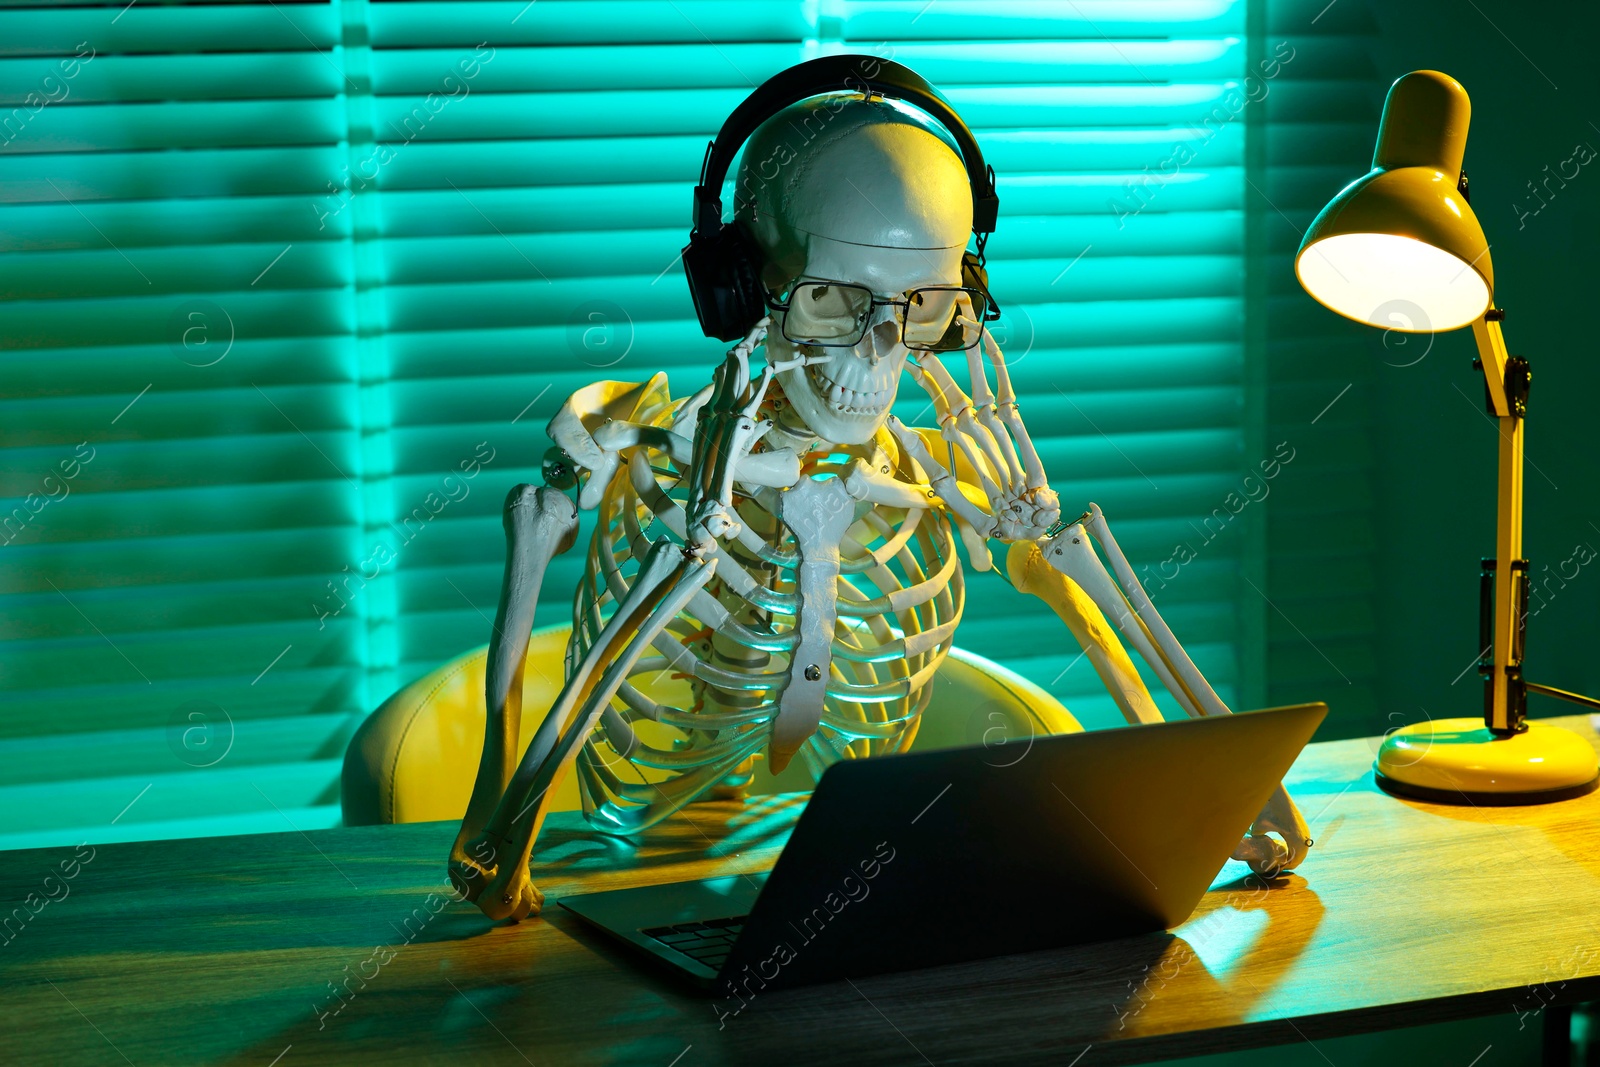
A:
(1266, 855)
(487, 872)
(988, 432)
(725, 432)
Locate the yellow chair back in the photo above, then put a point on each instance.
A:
(415, 758)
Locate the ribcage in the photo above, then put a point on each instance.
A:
(697, 707)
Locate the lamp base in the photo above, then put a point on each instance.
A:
(1458, 761)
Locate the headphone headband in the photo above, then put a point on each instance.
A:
(843, 73)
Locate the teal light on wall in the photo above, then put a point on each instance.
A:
(310, 280)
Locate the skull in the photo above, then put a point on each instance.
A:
(859, 191)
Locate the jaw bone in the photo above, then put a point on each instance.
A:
(843, 394)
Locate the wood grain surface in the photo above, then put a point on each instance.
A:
(340, 947)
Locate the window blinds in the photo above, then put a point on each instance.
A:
(294, 287)
(1321, 119)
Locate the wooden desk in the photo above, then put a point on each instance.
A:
(227, 950)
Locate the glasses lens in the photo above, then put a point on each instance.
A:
(822, 313)
(943, 319)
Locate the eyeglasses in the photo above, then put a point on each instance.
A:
(935, 318)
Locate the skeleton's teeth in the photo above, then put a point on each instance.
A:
(849, 401)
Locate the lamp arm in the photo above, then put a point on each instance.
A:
(1493, 358)
(1505, 695)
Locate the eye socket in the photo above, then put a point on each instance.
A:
(943, 319)
(827, 313)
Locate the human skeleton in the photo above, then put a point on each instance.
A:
(785, 544)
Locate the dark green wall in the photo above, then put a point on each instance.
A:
(1533, 80)
(1391, 548)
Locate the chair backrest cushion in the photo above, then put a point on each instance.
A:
(415, 758)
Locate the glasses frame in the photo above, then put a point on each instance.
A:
(991, 312)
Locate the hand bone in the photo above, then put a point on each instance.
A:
(510, 893)
(989, 432)
(972, 523)
(489, 875)
(726, 432)
(1267, 855)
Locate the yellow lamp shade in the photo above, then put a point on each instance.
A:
(1400, 247)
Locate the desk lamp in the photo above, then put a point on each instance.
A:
(1401, 244)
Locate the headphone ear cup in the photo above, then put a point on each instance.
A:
(724, 274)
(749, 299)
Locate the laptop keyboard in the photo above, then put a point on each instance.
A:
(708, 942)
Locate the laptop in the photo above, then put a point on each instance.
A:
(928, 858)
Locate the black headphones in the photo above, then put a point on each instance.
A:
(722, 262)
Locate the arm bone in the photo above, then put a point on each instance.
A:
(540, 523)
(1170, 650)
(1070, 553)
(1029, 571)
(665, 582)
